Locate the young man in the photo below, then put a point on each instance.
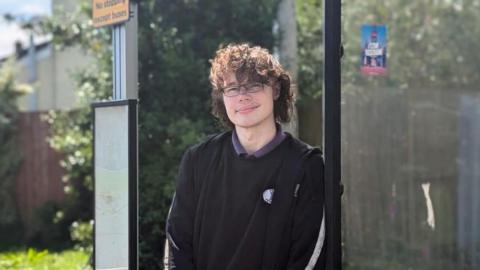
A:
(252, 197)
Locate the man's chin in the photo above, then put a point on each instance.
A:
(245, 124)
(248, 124)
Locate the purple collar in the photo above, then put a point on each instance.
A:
(279, 137)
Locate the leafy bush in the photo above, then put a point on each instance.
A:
(32, 259)
(50, 230)
(82, 234)
(10, 158)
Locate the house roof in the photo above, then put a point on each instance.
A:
(23, 51)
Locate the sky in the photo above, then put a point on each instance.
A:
(24, 8)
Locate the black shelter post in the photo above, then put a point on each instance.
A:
(331, 121)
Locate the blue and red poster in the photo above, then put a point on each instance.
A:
(374, 50)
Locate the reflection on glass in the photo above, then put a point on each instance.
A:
(411, 139)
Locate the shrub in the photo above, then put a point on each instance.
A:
(10, 91)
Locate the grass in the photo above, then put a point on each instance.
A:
(32, 259)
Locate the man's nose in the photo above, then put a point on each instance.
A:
(243, 93)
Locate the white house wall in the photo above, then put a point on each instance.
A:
(54, 88)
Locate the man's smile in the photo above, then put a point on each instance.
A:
(247, 109)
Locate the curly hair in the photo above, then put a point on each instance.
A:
(254, 64)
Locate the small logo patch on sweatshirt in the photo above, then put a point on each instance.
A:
(268, 195)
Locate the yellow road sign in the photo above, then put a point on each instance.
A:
(108, 12)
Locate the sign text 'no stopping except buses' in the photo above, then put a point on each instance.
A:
(108, 12)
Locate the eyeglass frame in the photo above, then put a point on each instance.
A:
(248, 88)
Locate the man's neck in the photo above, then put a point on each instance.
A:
(254, 138)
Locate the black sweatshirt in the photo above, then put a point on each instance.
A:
(236, 213)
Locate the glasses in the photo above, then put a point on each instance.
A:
(233, 91)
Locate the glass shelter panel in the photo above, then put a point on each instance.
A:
(411, 136)
(111, 188)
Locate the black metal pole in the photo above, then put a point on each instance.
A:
(331, 121)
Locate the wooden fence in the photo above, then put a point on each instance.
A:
(40, 176)
(411, 169)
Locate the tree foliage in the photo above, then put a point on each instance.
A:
(71, 131)
(310, 48)
(426, 48)
(10, 158)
